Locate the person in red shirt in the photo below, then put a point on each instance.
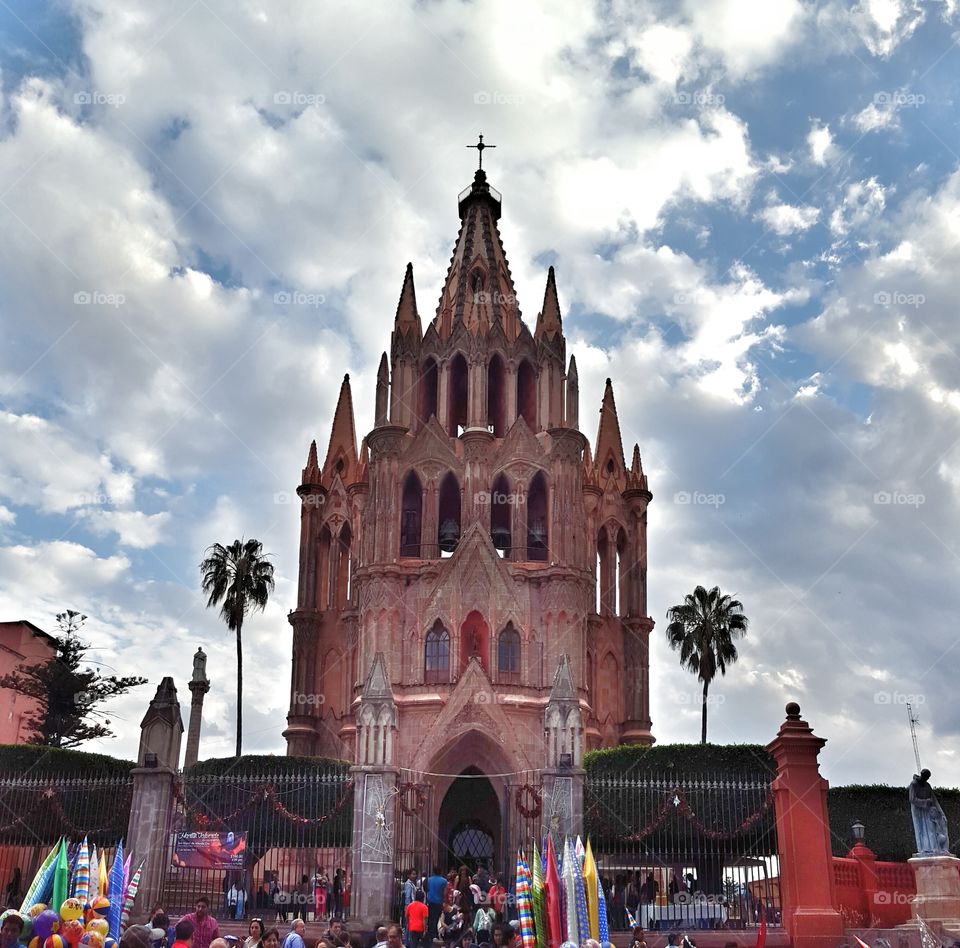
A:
(415, 915)
(204, 924)
(183, 934)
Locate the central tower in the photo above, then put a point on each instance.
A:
(473, 580)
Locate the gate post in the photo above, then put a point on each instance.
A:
(564, 774)
(803, 836)
(375, 793)
(151, 810)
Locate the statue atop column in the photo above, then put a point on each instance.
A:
(929, 822)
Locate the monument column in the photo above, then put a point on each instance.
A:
(154, 777)
(563, 775)
(803, 836)
(199, 686)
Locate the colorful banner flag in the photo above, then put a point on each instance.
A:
(130, 898)
(570, 892)
(115, 890)
(539, 909)
(551, 890)
(583, 918)
(81, 875)
(102, 875)
(590, 880)
(524, 903)
(44, 878)
(94, 877)
(126, 874)
(61, 879)
(603, 928)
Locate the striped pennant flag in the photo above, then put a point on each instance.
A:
(539, 908)
(602, 925)
(524, 902)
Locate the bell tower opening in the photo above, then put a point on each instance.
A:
(496, 397)
(458, 395)
(475, 840)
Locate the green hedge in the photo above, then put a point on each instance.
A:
(257, 765)
(885, 812)
(32, 760)
(687, 760)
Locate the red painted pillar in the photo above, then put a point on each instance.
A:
(866, 863)
(803, 836)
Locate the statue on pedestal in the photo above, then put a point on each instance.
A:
(929, 822)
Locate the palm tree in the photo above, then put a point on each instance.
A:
(702, 628)
(239, 579)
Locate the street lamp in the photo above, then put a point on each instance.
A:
(859, 831)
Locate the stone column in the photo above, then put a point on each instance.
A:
(199, 686)
(803, 836)
(154, 778)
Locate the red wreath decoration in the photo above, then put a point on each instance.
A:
(529, 801)
(52, 797)
(419, 798)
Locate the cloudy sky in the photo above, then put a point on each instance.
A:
(754, 212)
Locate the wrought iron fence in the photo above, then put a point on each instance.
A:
(685, 852)
(35, 812)
(271, 845)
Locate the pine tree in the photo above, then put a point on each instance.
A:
(67, 695)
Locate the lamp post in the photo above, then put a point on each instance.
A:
(859, 831)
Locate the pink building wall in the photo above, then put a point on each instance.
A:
(21, 643)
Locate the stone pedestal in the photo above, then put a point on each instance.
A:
(374, 845)
(148, 833)
(938, 891)
(563, 804)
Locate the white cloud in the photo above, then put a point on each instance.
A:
(820, 142)
(784, 219)
(134, 528)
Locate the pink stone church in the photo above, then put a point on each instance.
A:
(473, 580)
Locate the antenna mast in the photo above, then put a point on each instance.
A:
(913, 734)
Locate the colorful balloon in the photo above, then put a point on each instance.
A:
(109, 942)
(91, 940)
(71, 909)
(99, 926)
(55, 941)
(34, 943)
(35, 910)
(46, 924)
(98, 907)
(27, 932)
(72, 931)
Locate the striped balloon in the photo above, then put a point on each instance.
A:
(81, 875)
(524, 902)
(539, 908)
(115, 892)
(130, 898)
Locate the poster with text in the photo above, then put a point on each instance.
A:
(210, 850)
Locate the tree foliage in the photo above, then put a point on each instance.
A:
(239, 579)
(68, 692)
(702, 629)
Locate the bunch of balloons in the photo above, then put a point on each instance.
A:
(74, 925)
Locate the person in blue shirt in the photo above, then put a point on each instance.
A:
(436, 889)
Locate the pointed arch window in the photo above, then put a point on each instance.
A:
(458, 395)
(527, 394)
(501, 511)
(508, 654)
(448, 525)
(411, 516)
(429, 386)
(436, 655)
(537, 544)
(496, 397)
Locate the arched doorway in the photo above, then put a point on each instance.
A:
(470, 822)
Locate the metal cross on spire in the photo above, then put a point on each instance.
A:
(480, 146)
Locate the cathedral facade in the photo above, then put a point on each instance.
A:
(473, 578)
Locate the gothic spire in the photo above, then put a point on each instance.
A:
(572, 412)
(408, 319)
(311, 473)
(383, 392)
(478, 290)
(609, 452)
(548, 320)
(342, 450)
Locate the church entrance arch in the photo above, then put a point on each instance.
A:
(471, 823)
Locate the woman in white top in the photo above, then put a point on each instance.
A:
(254, 933)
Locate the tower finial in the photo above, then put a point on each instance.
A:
(480, 146)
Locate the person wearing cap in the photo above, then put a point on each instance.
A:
(136, 936)
(11, 929)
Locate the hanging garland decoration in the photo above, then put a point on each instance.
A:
(419, 801)
(530, 801)
(676, 800)
(51, 795)
(262, 793)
